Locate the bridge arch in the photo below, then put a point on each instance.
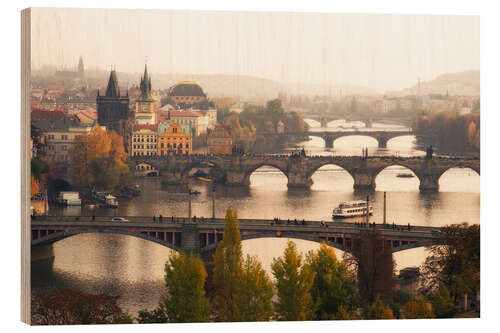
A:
(467, 184)
(399, 136)
(200, 164)
(409, 168)
(348, 134)
(213, 247)
(58, 236)
(257, 166)
(313, 170)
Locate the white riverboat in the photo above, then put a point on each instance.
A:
(352, 209)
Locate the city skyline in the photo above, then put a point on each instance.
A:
(365, 50)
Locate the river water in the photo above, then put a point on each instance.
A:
(133, 268)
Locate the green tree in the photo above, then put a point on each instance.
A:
(378, 310)
(154, 316)
(442, 303)
(456, 264)
(185, 277)
(242, 290)
(293, 284)
(418, 308)
(333, 285)
(227, 271)
(256, 292)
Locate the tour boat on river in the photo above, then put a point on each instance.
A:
(352, 209)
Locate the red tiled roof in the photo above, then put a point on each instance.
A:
(180, 113)
(38, 114)
(151, 127)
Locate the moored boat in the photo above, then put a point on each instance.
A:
(352, 209)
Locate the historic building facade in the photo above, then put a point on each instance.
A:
(174, 139)
(219, 140)
(112, 108)
(143, 140)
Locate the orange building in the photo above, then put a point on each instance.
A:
(174, 139)
(219, 140)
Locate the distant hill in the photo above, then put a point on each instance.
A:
(461, 83)
(218, 85)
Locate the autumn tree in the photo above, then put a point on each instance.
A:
(227, 272)
(185, 301)
(98, 159)
(242, 290)
(256, 292)
(417, 308)
(456, 263)
(294, 281)
(333, 285)
(442, 302)
(69, 307)
(378, 310)
(373, 265)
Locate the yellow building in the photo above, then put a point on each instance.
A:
(174, 139)
(143, 141)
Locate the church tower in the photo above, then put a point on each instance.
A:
(81, 69)
(112, 108)
(145, 112)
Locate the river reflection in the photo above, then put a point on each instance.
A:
(133, 268)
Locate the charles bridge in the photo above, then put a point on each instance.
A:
(203, 235)
(236, 169)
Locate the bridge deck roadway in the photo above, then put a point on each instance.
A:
(247, 225)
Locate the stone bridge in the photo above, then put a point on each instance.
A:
(237, 169)
(203, 235)
(382, 137)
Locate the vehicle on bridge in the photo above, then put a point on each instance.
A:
(352, 209)
(119, 219)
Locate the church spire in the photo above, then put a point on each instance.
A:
(145, 86)
(113, 90)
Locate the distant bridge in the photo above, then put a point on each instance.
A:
(382, 137)
(237, 169)
(203, 235)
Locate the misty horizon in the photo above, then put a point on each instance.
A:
(378, 52)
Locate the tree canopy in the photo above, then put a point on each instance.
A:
(456, 264)
(294, 281)
(98, 159)
(333, 286)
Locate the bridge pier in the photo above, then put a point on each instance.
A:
(382, 142)
(299, 180)
(328, 141)
(363, 180)
(428, 183)
(237, 178)
(190, 239)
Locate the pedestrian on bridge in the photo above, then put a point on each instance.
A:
(161, 218)
(154, 218)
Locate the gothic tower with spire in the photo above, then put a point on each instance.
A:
(81, 69)
(112, 108)
(145, 112)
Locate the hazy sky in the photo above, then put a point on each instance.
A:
(381, 52)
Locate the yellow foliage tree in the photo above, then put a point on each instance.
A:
(418, 308)
(93, 148)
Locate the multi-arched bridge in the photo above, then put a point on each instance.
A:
(329, 137)
(237, 169)
(203, 235)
